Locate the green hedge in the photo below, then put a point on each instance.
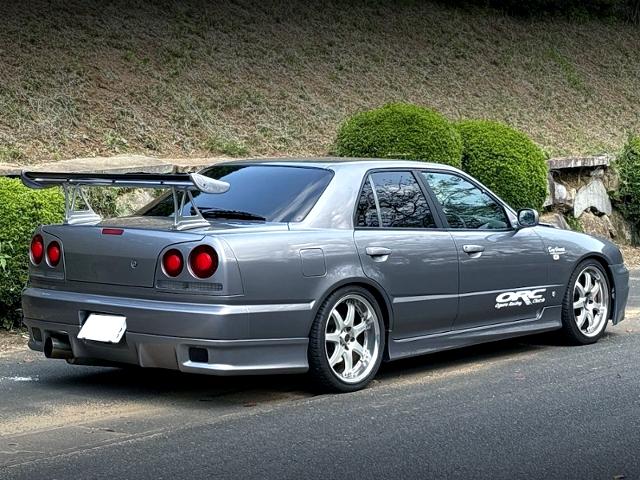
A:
(400, 130)
(628, 165)
(506, 161)
(21, 211)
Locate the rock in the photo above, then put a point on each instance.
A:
(593, 196)
(624, 231)
(598, 172)
(556, 219)
(551, 188)
(598, 226)
(611, 180)
(561, 196)
(558, 196)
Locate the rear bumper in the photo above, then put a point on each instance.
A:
(620, 275)
(161, 334)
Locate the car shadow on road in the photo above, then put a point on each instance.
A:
(167, 386)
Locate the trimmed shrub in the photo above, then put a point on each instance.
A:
(21, 211)
(403, 131)
(506, 161)
(628, 165)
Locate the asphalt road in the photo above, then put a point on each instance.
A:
(527, 408)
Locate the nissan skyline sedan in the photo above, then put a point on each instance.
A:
(327, 266)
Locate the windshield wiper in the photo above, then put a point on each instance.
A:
(210, 212)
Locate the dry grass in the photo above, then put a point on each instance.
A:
(252, 77)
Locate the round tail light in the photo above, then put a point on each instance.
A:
(172, 263)
(203, 261)
(53, 254)
(37, 249)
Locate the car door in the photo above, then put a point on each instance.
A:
(403, 247)
(503, 270)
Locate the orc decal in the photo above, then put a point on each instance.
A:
(523, 297)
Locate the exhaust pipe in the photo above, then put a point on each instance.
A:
(57, 348)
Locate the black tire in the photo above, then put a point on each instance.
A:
(320, 370)
(571, 331)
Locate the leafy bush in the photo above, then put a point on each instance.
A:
(628, 165)
(400, 130)
(21, 211)
(104, 200)
(574, 223)
(506, 161)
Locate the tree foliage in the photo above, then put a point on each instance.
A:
(628, 165)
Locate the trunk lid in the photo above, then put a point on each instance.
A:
(128, 259)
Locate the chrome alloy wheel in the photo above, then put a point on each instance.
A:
(590, 301)
(352, 338)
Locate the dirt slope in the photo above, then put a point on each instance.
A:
(252, 77)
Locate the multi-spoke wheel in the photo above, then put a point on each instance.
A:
(346, 341)
(585, 310)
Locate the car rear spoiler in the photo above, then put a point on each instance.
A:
(181, 184)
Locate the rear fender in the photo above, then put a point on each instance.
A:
(374, 288)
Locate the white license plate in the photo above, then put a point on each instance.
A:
(103, 328)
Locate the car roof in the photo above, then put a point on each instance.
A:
(332, 162)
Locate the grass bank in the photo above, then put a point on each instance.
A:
(264, 77)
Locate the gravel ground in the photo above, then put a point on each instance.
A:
(631, 256)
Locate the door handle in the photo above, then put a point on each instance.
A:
(473, 248)
(474, 251)
(377, 251)
(378, 254)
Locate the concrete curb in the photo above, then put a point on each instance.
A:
(118, 164)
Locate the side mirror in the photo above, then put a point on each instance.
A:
(528, 217)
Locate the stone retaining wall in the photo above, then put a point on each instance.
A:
(582, 188)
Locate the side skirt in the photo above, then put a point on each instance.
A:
(549, 319)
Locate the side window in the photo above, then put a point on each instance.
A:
(464, 204)
(401, 201)
(367, 212)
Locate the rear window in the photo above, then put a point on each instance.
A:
(275, 193)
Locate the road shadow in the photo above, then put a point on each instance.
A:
(463, 357)
(168, 386)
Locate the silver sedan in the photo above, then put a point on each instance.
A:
(327, 266)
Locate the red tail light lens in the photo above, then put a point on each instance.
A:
(172, 263)
(203, 261)
(53, 254)
(37, 249)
